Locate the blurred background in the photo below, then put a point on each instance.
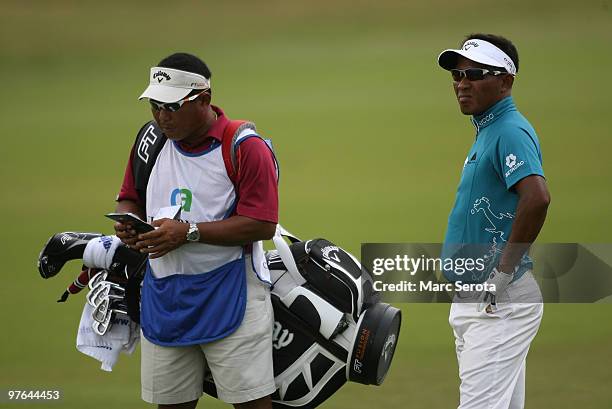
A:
(370, 142)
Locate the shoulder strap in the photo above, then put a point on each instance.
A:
(228, 146)
(149, 143)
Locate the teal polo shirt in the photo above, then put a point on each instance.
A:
(505, 151)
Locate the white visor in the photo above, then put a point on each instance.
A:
(170, 85)
(480, 51)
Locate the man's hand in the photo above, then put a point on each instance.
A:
(126, 233)
(168, 235)
(500, 281)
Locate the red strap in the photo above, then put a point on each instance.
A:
(226, 148)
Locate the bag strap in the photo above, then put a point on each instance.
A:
(149, 142)
(230, 154)
(281, 231)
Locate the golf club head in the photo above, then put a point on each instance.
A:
(95, 280)
(60, 248)
(104, 290)
(96, 294)
(105, 313)
(101, 328)
(100, 313)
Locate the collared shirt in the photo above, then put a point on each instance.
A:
(505, 151)
(256, 181)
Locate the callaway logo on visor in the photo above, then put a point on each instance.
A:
(468, 44)
(169, 85)
(160, 76)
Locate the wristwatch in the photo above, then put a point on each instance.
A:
(193, 234)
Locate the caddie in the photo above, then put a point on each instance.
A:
(205, 297)
(499, 209)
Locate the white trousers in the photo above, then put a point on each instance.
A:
(492, 347)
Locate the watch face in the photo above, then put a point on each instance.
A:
(193, 234)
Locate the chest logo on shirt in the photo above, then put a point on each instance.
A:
(493, 224)
(511, 162)
(182, 197)
(468, 159)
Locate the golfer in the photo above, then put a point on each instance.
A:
(499, 209)
(204, 305)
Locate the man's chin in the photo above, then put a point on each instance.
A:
(466, 109)
(173, 136)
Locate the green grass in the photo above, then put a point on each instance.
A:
(370, 142)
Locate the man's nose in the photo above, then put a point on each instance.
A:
(464, 83)
(164, 114)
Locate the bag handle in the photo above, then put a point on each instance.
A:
(285, 252)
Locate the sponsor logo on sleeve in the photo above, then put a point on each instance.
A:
(513, 164)
(510, 160)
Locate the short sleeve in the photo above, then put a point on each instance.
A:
(519, 156)
(128, 187)
(257, 181)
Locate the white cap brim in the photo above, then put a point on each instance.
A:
(448, 58)
(163, 93)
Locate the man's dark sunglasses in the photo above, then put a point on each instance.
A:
(173, 106)
(473, 74)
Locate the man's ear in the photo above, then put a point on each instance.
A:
(205, 98)
(507, 82)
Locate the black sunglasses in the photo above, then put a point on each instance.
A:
(173, 106)
(473, 74)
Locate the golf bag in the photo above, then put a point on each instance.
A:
(329, 326)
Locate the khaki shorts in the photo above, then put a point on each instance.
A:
(241, 363)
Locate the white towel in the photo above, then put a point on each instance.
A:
(100, 251)
(123, 336)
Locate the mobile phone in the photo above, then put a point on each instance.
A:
(137, 223)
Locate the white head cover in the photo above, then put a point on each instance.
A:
(170, 85)
(479, 51)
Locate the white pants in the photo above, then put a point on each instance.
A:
(492, 347)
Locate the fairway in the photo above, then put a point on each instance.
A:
(370, 142)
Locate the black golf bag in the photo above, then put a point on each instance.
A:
(329, 326)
